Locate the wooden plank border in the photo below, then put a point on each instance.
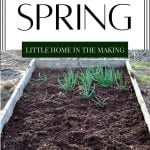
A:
(139, 96)
(7, 111)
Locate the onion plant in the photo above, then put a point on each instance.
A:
(69, 81)
(100, 102)
(104, 76)
(118, 77)
(86, 81)
(41, 78)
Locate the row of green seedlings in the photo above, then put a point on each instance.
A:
(101, 76)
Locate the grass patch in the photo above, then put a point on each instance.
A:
(6, 89)
(142, 71)
(140, 65)
(142, 78)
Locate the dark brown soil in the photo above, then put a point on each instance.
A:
(64, 121)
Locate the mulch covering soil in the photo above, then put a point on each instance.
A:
(56, 120)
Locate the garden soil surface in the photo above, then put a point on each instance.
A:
(47, 118)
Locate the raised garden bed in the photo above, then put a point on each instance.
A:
(50, 117)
